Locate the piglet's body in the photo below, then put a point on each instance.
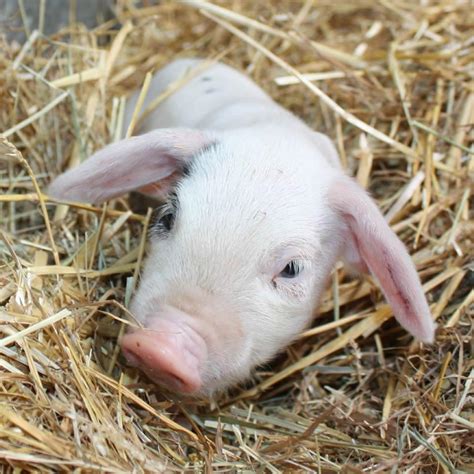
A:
(258, 211)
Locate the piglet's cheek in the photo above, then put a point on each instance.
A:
(171, 354)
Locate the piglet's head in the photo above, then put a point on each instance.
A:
(240, 252)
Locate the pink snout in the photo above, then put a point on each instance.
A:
(169, 350)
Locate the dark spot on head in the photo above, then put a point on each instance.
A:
(205, 78)
(138, 344)
(210, 91)
(164, 215)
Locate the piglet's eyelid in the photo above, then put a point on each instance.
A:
(170, 209)
(159, 212)
(296, 264)
(299, 263)
(170, 206)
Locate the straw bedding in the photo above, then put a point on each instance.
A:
(391, 83)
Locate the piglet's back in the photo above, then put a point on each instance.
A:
(206, 96)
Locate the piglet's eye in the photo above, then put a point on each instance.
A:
(292, 270)
(166, 220)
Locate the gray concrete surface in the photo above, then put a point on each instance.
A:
(57, 15)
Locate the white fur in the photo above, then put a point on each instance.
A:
(257, 196)
(226, 242)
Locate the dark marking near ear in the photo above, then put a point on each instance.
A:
(172, 200)
(210, 91)
(187, 168)
(205, 78)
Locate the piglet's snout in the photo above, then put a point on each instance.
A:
(170, 350)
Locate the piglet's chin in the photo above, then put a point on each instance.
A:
(169, 351)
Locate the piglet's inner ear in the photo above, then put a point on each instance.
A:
(373, 244)
(145, 162)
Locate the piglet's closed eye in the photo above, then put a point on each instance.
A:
(374, 245)
(130, 164)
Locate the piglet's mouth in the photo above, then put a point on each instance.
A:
(170, 353)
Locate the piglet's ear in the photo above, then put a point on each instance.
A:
(141, 162)
(371, 243)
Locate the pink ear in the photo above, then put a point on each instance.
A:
(130, 164)
(379, 248)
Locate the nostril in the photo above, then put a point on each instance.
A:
(167, 378)
(132, 358)
(132, 350)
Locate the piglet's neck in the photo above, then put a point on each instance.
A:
(249, 113)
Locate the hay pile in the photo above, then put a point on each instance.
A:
(391, 83)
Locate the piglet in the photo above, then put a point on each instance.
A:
(258, 211)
